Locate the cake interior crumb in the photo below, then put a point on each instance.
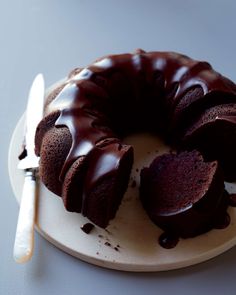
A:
(87, 227)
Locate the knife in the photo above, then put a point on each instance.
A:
(24, 239)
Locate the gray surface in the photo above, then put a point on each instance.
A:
(53, 37)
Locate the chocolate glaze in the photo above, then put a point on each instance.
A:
(168, 240)
(89, 90)
(219, 220)
(222, 221)
(119, 94)
(232, 200)
(105, 160)
(85, 135)
(104, 170)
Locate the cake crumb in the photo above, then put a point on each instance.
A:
(23, 153)
(116, 248)
(108, 231)
(87, 227)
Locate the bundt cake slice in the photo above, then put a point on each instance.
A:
(183, 194)
(195, 101)
(108, 171)
(214, 134)
(95, 184)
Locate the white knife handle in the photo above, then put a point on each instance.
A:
(24, 240)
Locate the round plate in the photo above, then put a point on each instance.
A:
(130, 242)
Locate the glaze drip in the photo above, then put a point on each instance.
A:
(168, 240)
(232, 200)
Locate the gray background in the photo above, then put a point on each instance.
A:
(53, 37)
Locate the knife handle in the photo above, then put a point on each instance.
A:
(24, 239)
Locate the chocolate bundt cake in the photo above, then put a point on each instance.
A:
(79, 140)
(183, 194)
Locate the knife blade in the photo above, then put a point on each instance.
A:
(24, 239)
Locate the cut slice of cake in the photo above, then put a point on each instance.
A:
(183, 194)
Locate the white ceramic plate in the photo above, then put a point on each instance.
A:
(130, 243)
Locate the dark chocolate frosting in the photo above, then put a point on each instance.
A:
(86, 102)
(89, 113)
